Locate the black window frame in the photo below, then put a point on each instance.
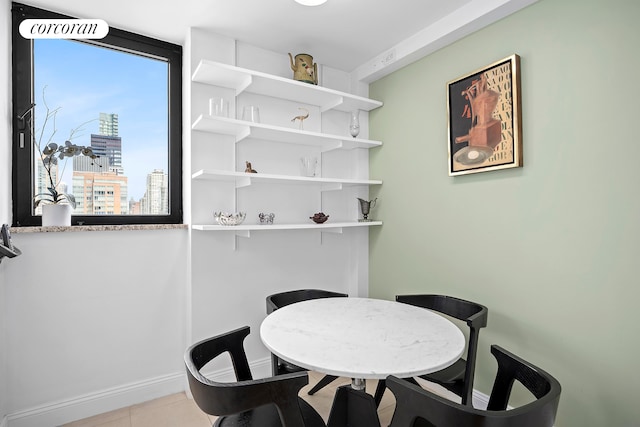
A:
(23, 98)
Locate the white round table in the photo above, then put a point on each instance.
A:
(362, 338)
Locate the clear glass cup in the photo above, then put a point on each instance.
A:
(251, 113)
(308, 166)
(218, 107)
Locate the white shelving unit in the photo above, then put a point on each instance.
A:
(255, 82)
(244, 179)
(243, 230)
(242, 130)
(244, 80)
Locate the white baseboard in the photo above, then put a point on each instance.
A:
(480, 400)
(57, 413)
(259, 369)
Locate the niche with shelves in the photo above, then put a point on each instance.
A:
(277, 146)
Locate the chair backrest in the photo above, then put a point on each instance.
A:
(417, 405)
(474, 314)
(282, 299)
(217, 398)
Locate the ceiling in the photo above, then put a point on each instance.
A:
(342, 34)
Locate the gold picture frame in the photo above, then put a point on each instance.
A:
(485, 119)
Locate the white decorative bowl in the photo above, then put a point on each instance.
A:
(224, 218)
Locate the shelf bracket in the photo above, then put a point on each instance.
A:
(242, 133)
(335, 102)
(337, 230)
(243, 181)
(330, 147)
(331, 187)
(237, 234)
(244, 84)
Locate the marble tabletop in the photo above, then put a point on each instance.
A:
(362, 337)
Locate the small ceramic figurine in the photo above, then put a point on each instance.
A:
(304, 70)
(301, 117)
(249, 169)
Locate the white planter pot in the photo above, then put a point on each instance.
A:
(56, 215)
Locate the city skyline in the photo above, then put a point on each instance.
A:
(93, 80)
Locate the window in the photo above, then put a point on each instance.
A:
(120, 96)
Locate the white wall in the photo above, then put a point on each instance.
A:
(93, 321)
(229, 286)
(95, 316)
(89, 321)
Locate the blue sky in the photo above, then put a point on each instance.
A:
(85, 80)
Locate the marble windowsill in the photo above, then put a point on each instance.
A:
(74, 228)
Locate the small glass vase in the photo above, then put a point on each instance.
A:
(354, 123)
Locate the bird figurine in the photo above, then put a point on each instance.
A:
(301, 117)
(249, 169)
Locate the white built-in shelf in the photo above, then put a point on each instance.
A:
(244, 80)
(241, 129)
(244, 230)
(244, 179)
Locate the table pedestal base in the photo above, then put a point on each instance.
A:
(358, 384)
(353, 408)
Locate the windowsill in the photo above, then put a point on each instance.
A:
(73, 228)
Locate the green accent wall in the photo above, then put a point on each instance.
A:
(552, 248)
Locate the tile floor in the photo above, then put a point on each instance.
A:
(179, 411)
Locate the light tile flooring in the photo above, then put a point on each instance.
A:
(179, 411)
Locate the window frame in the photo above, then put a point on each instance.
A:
(23, 98)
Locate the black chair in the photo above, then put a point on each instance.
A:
(279, 300)
(268, 402)
(457, 378)
(417, 407)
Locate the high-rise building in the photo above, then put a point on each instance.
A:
(42, 179)
(99, 185)
(100, 193)
(107, 143)
(108, 125)
(134, 207)
(109, 147)
(156, 198)
(42, 182)
(87, 164)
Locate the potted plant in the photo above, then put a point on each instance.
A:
(57, 205)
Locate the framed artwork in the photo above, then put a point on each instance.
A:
(485, 121)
